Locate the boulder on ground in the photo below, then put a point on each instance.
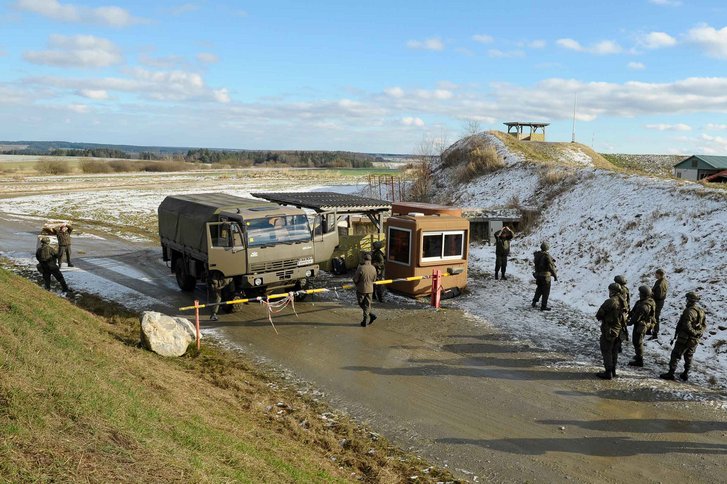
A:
(166, 335)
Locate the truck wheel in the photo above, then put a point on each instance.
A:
(184, 280)
(228, 295)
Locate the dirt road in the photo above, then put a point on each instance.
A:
(448, 386)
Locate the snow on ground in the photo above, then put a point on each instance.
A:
(608, 224)
(577, 156)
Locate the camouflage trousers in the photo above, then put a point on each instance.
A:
(542, 290)
(64, 251)
(364, 302)
(500, 264)
(683, 347)
(609, 351)
(56, 273)
(657, 315)
(637, 338)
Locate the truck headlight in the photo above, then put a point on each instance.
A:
(258, 281)
(309, 273)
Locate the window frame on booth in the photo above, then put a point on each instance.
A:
(443, 234)
(391, 239)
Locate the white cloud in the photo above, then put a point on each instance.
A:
(76, 51)
(715, 127)
(713, 145)
(97, 94)
(666, 3)
(164, 62)
(434, 43)
(78, 108)
(712, 40)
(440, 94)
(411, 121)
(603, 47)
(537, 44)
(66, 12)
(483, 38)
(221, 95)
(394, 91)
(657, 40)
(636, 66)
(207, 57)
(669, 127)
(502, 54)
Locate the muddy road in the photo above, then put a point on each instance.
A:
(451, 387)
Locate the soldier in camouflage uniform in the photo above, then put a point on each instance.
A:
(610, 316)
(378, 261)
(689, 330)
(626, 302)
(544, 269)
(47, 256)
(364, 278)
(63, 234)
(502, 250)
(642, 319)
(218, 284)
(661, 286)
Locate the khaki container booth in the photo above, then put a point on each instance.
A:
(421, 238)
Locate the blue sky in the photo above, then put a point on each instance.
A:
(649, 76)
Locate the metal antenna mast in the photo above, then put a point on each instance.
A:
(575, 101)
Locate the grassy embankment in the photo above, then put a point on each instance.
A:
(79, 401)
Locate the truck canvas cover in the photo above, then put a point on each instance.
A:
(182, 217)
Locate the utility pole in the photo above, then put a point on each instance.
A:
(575, 101)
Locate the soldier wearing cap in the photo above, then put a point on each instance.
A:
(378, 261)
(47, 256)
(64, 244)
(661, 286)
(364, 278)
(689, 330)
(610, 316)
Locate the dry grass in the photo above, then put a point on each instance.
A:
(88, 165)
(79, 401)
(52, 166)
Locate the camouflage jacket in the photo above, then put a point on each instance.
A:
(544, 264)
(47, 255)
(659, 289)
(377, 260)
(64, 238)
(625, 297)
(364, 278)
(502, 242)
(692, 324)
(643, 314)
(609, 314)
(219, 283)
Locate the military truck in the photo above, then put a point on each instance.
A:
(261, 245)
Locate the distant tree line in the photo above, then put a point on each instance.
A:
(310, 159)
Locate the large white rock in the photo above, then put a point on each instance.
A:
(166, 335)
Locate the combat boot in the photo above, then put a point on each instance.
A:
(637, 362)
(497, 276)
(684, 376)
(605, 375)
(613, 373)
(668, 375)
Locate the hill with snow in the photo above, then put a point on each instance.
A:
(601, 223)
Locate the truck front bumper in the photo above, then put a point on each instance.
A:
(283, 277)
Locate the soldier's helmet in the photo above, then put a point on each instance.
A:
(377, 244)
(367, 256)
(544, 246)
(45, 240)
(660, 271)
(693, 296)
(620, 279)
(644, 291)
(614, 288)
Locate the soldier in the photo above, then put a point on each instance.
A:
(661, 286)
(64, 244)
(47, 256)
(626, 303)
(377, 260)
(642, 319)
(689, 330)
(218, 284)
(610, 316)
(502, 250)
(544, 269)
(364, 278)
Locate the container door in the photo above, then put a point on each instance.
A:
(325, 236)
(226, 249)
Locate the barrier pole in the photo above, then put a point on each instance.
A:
(196, 315)
(436, 282)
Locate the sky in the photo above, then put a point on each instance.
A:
(642, 76)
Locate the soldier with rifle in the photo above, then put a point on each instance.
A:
(610, 314)
(689, 331)
(642, 319)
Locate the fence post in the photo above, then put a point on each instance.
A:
(196, 316)
(436, 284)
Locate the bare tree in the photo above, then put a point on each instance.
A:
(425, 154)
(471, 127)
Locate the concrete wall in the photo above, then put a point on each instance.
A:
(686, 174)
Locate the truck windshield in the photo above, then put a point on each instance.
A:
(277, 229)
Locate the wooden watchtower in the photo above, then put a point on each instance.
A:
(515, 128)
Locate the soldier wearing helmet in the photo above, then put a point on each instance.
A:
(610, 316)
(364, 278)
(47, 256)
(544, 270)
(378, 261)
(642, 319)
(626, 304)
(689, 331)
(502, 250)
(661, 286)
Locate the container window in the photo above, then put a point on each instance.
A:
(399, 246)
(447, 245)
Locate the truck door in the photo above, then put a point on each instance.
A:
(325, 236)
(226, 248)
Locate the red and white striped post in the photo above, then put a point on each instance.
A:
(436, 285)
(196, 316)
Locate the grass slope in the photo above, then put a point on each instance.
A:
(79, 401)
(550, 152)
